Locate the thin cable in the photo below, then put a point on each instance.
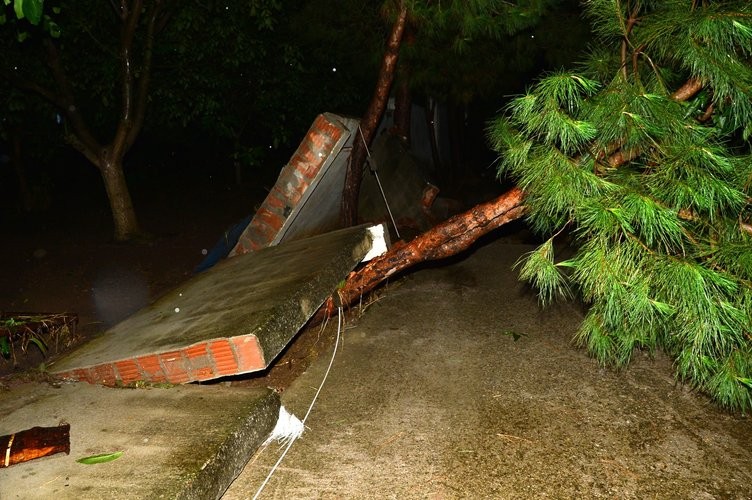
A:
(289, 444)
(378, 181)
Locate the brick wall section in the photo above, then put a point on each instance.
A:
(202, 361)
(293, 181)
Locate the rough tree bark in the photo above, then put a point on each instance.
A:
(370, 121)
(34, 443)
(444, 240)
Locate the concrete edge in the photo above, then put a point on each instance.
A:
(216, 475)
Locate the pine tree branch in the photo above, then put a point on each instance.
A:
(688, 90)
(444, 240)
(370, 121)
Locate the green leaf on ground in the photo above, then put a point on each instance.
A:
(100, 459)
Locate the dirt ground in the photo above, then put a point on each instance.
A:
(562, 426)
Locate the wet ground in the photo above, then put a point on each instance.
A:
(454, 384)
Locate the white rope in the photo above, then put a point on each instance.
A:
(291, 438)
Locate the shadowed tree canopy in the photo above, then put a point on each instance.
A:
(108, 69)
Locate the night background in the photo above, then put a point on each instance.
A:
(134, 134)
(233, 88)
(566, 312)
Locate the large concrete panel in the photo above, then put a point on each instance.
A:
(234, 318)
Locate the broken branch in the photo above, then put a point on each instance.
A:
(444, 240)
(33, 443)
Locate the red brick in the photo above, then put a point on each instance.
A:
(151, 368)
(199, 362)
(301, 156)
(175, 367)
(87, 376)
(311, 171)
(104, 374)
(297, 194)
(261, 233)
(197, 354)
(127, 371)
(224, 357)
(269, 219)
(72, 374)
(249, 354)
(275, 204)
(310, 156)
(206, 373)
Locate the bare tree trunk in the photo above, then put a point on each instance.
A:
(121, 205)
(451, 236)
(402, 111)
(34, 443)
(135, 76)
(370, 121)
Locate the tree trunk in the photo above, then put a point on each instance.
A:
(402, 111)
(431, 117)
(370, 122)
(123, 214)
(448, 238)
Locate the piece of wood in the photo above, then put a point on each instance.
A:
(449, 238)
(34, 443)
(370, 121)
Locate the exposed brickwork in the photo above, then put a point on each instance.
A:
(127, 371)
(203, 361)
(303, 167)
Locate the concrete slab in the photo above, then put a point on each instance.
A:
(185, 442)
(233, 319)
